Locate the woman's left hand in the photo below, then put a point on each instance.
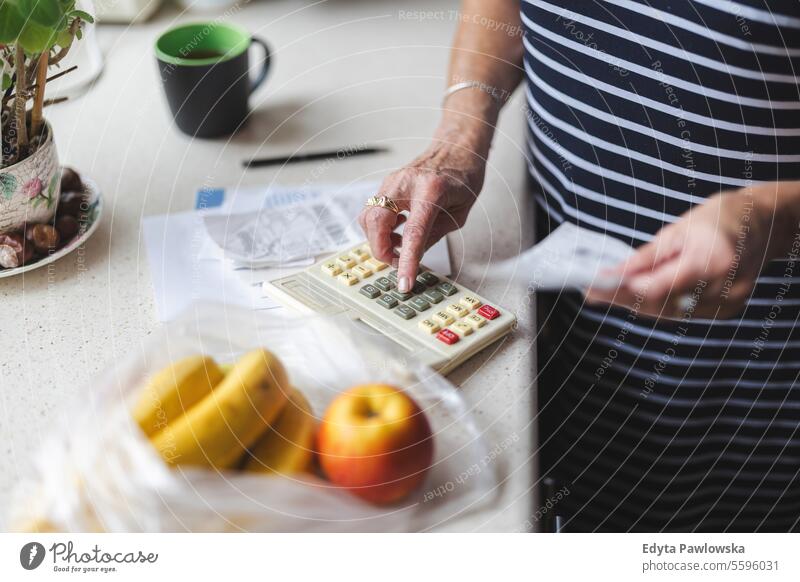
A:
(706, 263)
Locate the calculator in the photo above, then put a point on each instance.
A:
(439, 322)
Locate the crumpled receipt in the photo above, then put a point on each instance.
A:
(571, 257)
(279, 236)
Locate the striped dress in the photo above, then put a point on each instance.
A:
(638, 110)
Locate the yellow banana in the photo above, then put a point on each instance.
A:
(285, 447)
(217, 430)
(174, 390)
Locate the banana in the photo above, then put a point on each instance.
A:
(217, 430)
(285, 447)
(174, 390)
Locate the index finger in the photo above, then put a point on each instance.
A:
(415, 236)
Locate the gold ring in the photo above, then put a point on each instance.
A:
(383, 202)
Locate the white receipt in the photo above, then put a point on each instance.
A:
(277, 236)
(569, 258)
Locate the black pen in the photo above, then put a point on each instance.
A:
(339, 154)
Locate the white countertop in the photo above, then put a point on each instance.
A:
(344, 73)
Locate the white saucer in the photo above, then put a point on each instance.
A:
(93, 214)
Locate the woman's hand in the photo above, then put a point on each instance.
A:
(707, 262)
(437, 190)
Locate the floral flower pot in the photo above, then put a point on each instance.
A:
(30, 189)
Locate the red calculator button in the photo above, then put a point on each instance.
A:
(489, 312)
(447, 337)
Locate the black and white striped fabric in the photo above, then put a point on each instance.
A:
(639, 110)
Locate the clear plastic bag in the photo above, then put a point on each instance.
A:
(98, 472)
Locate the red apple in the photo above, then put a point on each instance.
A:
(375, 442)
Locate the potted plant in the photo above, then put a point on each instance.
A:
(35, 36)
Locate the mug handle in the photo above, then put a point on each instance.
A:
(262, 75)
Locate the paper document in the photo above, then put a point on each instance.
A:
(569, 258)
(278, 236)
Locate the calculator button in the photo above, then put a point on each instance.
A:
(475, 320)
(401, 296)
(429, 326)
(442, 318)
(359, 254)
(384, 284)
(418, 288)
(405, 312)
(346, 262)
(461, 328)
(375, 264)
(488, 312)
(393, 275)
(331, 269)
(447, 288)
(447, 337)
(370, 291)
(470, 302)
(428, 279)
(419, 304)
(347, 279)
(387, 301)
(362, 271)
(433, 296)
(457, 310)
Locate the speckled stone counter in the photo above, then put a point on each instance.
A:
(344, 73)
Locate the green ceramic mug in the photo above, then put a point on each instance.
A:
(205, 71)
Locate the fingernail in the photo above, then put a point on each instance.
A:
(404, 284)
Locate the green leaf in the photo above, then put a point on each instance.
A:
(85, 16)
(6, 82)
(11, 22)
(64, 39)
(44, 12)
(36, 38)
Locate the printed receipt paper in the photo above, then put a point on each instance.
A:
(569, 258)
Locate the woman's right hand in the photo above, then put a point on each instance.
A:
(437, 190)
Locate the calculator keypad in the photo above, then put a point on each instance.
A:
(429, 326)
(346, 262)
(375, 265)
(448, 321)
(362, 271)
(388, 301)
(370, 291)
(419, 304)
(405, 312)
(433, 296)
(447, 289)
(384, 284)
(428, 279)
(347, 279)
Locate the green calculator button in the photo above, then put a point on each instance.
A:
(447, 288)
(388, 301)
(427, 278)
(384, 284)
(402, 296)
(433, 296)
(418, 288)
(370, 291)
(405, 312)
(393, 275)
(419, 304)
